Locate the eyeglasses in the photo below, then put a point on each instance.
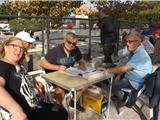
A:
(71, 43)
(131, 41)
(16, 47)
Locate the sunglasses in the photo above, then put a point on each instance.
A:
(16, 47)
(131, 41)
(71, 43)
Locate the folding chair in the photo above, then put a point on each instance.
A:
(130, 102)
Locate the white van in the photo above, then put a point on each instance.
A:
(4, 27)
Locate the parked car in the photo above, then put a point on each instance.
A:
(4, 27)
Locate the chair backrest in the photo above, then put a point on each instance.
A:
(131, 97)
(132, 94)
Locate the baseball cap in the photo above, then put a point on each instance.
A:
(25, 37)
(156, 31)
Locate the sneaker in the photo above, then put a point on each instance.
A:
(78, 106)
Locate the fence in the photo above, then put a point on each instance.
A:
(49, 31)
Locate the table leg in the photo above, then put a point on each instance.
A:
(75, 105)
(109, 98)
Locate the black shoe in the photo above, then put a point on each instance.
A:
(78, 106)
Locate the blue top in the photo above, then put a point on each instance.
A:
(141, 64)
(146, 32)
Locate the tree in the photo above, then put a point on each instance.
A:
(132, 11)
(2, 6)
(42, 8)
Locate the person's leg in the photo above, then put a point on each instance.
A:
(78, 104)
(59, 95)
(108, 50)
(119, 84)
(79, 93)
(116, 85)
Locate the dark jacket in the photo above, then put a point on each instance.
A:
(153, 87)
(108, 30)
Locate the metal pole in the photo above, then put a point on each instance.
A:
(48, 32)
(43, 40)
(89, 45)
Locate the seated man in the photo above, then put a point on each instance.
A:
(135, 70)
(62, 57)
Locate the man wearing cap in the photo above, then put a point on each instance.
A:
(27, 43)
(156, 55)
(27, 39)
(135, 70)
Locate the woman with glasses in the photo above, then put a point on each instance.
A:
(62, 57)
(19, 96)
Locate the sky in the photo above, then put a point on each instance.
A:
(1, 1)
(87, 2)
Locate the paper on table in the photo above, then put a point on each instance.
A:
(75, 71)
(94, 75)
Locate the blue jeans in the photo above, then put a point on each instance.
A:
(119, 84)
(116, 84)
(108, 50)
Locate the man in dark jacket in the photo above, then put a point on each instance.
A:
(108, 34)
(152, 90)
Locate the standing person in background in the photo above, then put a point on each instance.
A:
(108, 34)
(59, 59)
(148, 46)
(146, 30)
(28, 44)
(123, 52)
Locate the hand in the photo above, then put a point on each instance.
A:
(118, 77)
(39, 86)
(62, 68)
(82, 67)
(19, 115)
(41, 90)
(101, 69)
(82, 64)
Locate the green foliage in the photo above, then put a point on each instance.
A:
(2, 6)
(136, 11)
(19, 25)
(42, 8)
(151, 14)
